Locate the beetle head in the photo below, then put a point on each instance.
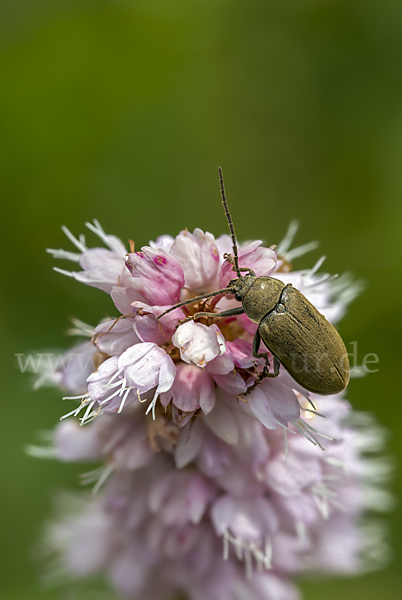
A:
(241, 286)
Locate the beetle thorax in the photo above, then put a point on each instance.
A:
(261, 297)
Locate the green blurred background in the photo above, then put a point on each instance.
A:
(122, 110)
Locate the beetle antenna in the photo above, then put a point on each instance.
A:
(223, 291)
(230, 223)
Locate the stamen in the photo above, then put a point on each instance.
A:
(108, 240)
(284, 427)
(39, 382)
(63, 254)
(97, 475)
(63, 272)
(77, 243)
(152, 406)
(287, 241)
(97, 229)
(322, 506)
(41, 452)
(268, 552)
(124, 400)
(81, 328)
(246, 550)
(304, 433)
(114, 376)
(292, 254)
(301, 531)
(357, 372)
(108, 470)
(316, 266)
(120, 383)
(317, 414)
(335, 462)
(139, 397)
(225, 546)
(89, 408)
(239, 553)
(324, 278)
(310, 401)
(102, 402)
(75, 412)
(310, 428)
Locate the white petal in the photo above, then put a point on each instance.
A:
(167, 374)
(198, 344)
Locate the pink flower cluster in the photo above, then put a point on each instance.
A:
(204, 492)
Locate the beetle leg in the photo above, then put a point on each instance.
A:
(250, 271)
(256, 347)
(229, 258)
(265, 372)
(231, 312)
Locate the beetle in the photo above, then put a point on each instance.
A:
(297, 335)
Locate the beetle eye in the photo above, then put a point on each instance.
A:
(238, 297)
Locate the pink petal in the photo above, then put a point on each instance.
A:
(247, 519)
(101, 268)
(189, 443)
(223, 421)
(193, 388)
(221, 365)
(198, 255)
(282, 400)
(149, 329)
(180, 418)
(224, 245)
(156, 275)
(77, 365)
(163, 242)
(248, 325)
(136, 450)
(123, 298)
(268, 585)
(127, 573)
(233, 383)
(207, 396)
(241, 352)
(257, 406)
(254, 256)
(75, 443)
(98, 379)
(120, 337)
(289, 477)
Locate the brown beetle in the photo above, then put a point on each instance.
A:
(297, 335)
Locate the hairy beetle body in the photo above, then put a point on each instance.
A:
(297, 335)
